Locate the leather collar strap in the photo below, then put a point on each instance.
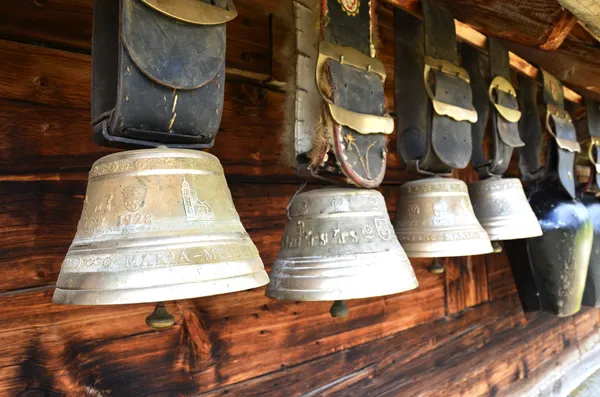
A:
(589, 157)
(350, 81)
(493, 92)
(531, 130)
(433, 97)
(158, 72)
(560, 161)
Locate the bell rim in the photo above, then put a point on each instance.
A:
(325, 296)
(396, 261)
(502, 231)
(465, 248)
(161, 293)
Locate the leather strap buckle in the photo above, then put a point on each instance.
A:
(559, 118)
(194, 11)
(444, 108)
(499, 83)
(360, 122)
(586, 156)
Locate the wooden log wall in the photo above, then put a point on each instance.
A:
(462, 333)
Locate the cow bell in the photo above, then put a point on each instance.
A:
(157, 225)
(560, 257)
(591, 294)
(503, 210)
(339, 244)
(435, 219)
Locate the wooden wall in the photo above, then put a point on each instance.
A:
(461, 333)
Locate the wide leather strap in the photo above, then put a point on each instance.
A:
(530, 128)
(589, 127)
(158, 72)
(351, 86)
(433, 96)
(493, 87)
(560, 161)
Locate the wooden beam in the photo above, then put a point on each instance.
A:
(556, 35)
(467, 34)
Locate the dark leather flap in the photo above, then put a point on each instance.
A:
(452, 90)
(451, 139)
(354, 89)
(508, 131)
(172, 53)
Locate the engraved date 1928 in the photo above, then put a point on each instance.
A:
(134, 219)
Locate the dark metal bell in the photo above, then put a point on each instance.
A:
(559, 258)
(591, 295)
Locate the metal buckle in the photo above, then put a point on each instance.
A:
(363, 123)
(443, 108)
(501, 84)
(552, 110)
(586, 156)
(194, 11)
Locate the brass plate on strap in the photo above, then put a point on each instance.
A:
(348, 56)
(571, 146)
(501, 84)
(443, 108)
(194, 11)
(586, 156)
(360, 122)
(363, 123)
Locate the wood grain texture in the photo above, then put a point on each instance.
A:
(58, 111)
(466, 282)
(67, 24)
(461, 333)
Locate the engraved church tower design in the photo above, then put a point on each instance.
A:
(195, 210)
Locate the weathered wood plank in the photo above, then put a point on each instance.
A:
(217, 340)
(68, 24)
(500, 278)
(338, 373)
(466, 282)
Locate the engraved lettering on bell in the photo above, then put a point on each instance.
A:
(435, 219)
(105, 204)
(140, 246)
(345, 249)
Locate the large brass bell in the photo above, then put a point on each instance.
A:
(339, 244)
(435, 219)
(503, 210)
(157, 224)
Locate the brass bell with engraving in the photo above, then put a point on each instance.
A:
(339, 244)
(157, 224)
(503, 209)
(435, 219)
(499, 204)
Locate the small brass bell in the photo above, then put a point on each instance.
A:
(339, 244)
(503, 210)
(157, 225)
(435, 219)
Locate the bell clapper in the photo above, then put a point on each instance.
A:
(339, 309)
(497, 247)
(436, 267)
(160, 318)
